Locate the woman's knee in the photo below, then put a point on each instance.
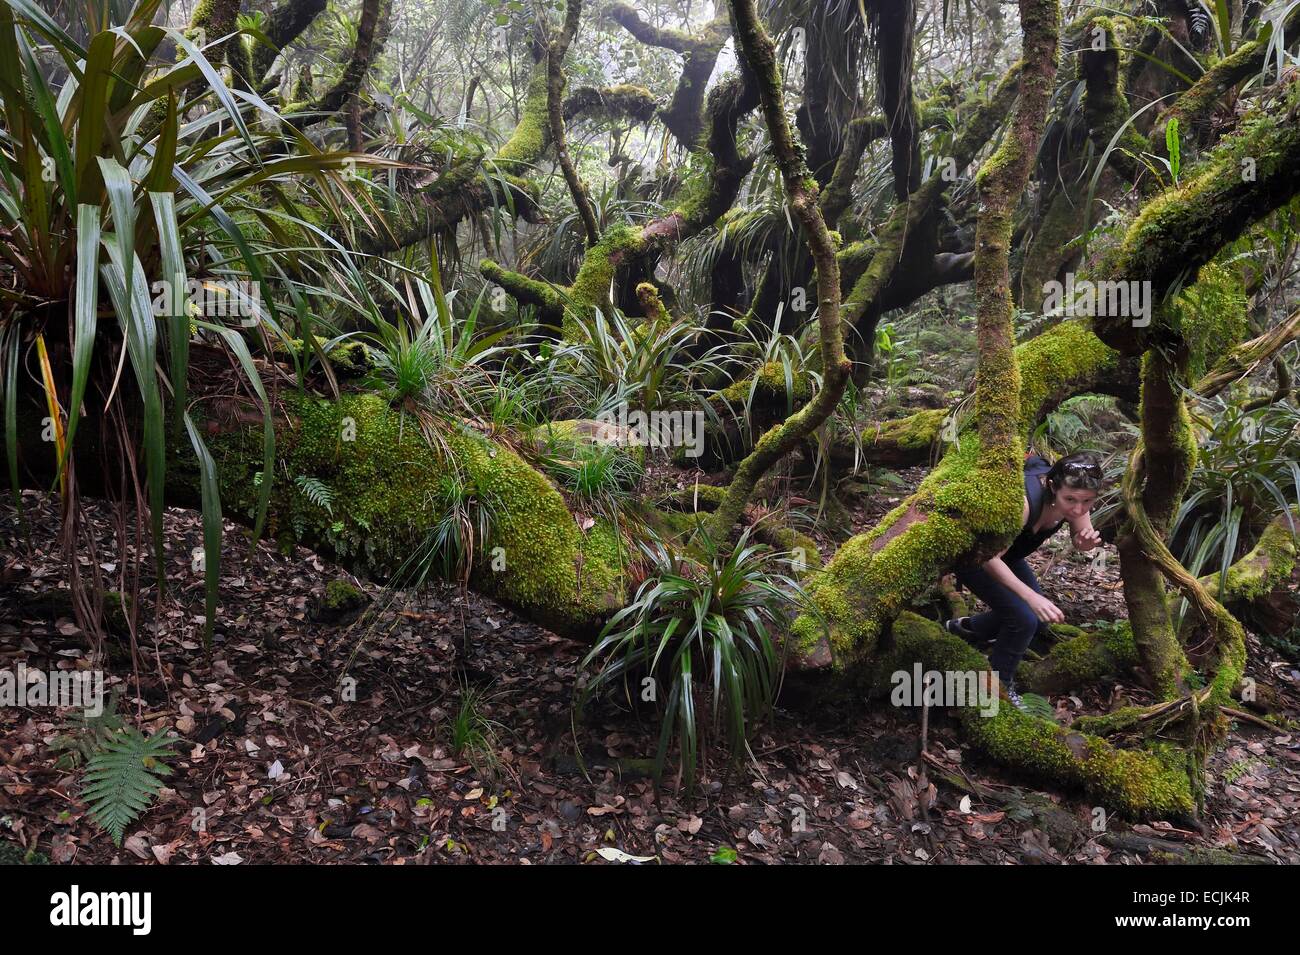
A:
(1022, 619)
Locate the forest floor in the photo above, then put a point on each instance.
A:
(278, 763)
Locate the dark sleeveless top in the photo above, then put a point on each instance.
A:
(1027, 541)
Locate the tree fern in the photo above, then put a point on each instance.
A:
(123, 777)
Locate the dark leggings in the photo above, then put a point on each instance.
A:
(1009, 618)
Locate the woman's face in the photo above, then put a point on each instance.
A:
(1074, 502)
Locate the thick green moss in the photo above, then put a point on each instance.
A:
(967, 499)
(769, 385)
(623, 101)
(383, 484)
(905, 440)
(591, 286)
(1054, 363)
(340, 593)
(697, 195)
(1269, 564)
(1211, 316)
(1081, 660)
(532, 134)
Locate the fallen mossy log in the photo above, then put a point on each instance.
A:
(388, 490)
(359, 483)
(1148, 781)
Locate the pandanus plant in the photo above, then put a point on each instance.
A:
(127, 163)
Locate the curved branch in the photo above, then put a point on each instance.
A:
(555, 81)
(372, 34)
(759, 53)
(285, 23)
(1244, 359)
(684, 115)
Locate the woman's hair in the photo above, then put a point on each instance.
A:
(1080, 470)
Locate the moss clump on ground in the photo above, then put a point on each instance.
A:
(1083, 659)
(11, 853)
(340, 595)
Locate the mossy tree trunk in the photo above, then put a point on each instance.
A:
(1159, 473)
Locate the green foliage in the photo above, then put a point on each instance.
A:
(704, 623)
(1172, 145)
(316, 491)
(602, 478)
(86, 735)
(460, 533)
(647, 363)
(474, 736)
(1246, 472)
(110, 182)
(123, 777)
(430, 360)
(1038, 706)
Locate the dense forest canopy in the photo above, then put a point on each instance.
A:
(616, 312)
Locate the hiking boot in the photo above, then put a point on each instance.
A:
(1008, 691)
(960, 627)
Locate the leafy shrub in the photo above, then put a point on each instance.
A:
(703, 624)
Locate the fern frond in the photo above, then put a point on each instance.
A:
(123, 777)
(317, 492)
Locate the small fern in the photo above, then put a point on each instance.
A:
(317, 492)
(1039, 706)
(123, 777)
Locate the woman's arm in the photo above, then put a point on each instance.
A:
(1084, 535)
(1043, 608)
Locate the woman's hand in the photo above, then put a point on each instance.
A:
(1087, 539)
(1044, 609)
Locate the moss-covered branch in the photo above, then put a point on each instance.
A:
(714, 175)
(1143, 782)
(759, 52)
(464, 188)
(1159, 471)
(625, 101)
(555, 83)
(862, 132)
(1264, 568)
(971, 502)
(372, 34)
(684, 115)
(1245, 358)
(869, 272)
(285, 23)
(1195, 107)
(1245, 178)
